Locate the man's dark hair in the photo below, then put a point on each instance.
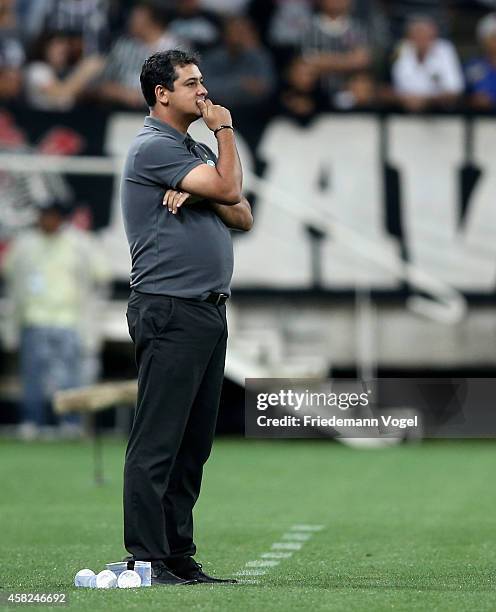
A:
(160, 69)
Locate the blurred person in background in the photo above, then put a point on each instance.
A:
(148, 32)
(481, 72)
(199, 28)
(300, 96)
(11, 52)
(281, 23)
(240, 73)
(426, 73)
(86, 20)
(359, 93)
(51, 82)
(51, 272)
(335, 44)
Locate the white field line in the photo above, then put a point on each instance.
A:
(276, 555)
(262, 563)
(296, 535)
(295, 538)
(307, 527)
(287, 545)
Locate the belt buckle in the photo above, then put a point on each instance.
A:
(221, 296)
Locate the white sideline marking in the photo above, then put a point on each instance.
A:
(276, 555)
(287, 545)
(262, 563)
(295, 535)
(307, 527)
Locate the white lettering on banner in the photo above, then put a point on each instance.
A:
(429, 155)
(276, 253)
(332, 166)
(350, 152)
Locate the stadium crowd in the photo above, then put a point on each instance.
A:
(294, 57)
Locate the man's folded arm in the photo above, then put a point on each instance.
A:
(237, 216)
(205, 182)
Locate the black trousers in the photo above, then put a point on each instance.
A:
(180, 348)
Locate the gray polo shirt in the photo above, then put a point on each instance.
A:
(184, 255)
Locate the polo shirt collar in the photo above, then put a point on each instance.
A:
(165, 127)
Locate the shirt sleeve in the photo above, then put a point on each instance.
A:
(209, 154)
(164, 161)
(453, 76)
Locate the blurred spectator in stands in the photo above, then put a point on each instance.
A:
(147, 33)
(300, 96)
(481, 72)
(51, 271)
(336, 45)
(281, 23)
(11, 52)
(86, 20)
(51, 83)
(198, 27)
(239, 73)
(359, 93)
(426, 73)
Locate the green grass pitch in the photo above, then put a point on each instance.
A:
(406, 528)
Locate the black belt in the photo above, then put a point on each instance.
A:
(217, 298)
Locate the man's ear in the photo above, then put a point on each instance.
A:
(162, 94)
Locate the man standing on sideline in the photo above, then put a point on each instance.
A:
(178, 202)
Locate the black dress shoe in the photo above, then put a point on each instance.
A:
(189, 569)
(161, 575)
